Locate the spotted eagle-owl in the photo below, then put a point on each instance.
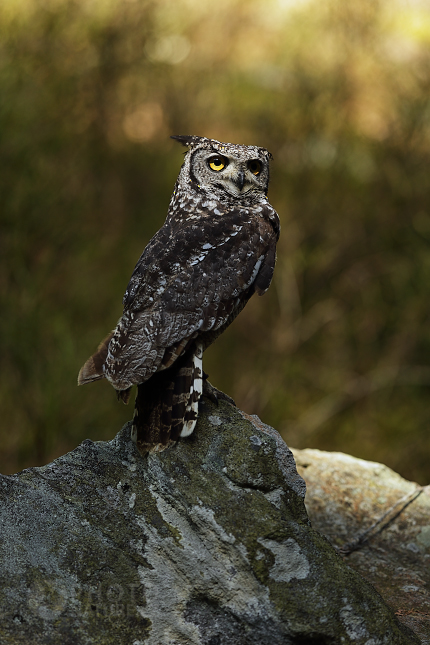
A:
(216, 249)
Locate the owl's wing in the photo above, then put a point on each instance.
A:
(191, 280)
(233, 265)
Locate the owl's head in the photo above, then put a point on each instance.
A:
(225, 169)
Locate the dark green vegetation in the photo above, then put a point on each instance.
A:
(336, 354)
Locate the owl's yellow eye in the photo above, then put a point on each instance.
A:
(254, 166)
(217, 163)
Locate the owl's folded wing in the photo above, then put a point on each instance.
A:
(210, 285)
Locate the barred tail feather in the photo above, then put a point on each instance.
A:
(166, 405)
(192, 408)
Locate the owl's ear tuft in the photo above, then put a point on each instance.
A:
(268, 154)
(187, 140)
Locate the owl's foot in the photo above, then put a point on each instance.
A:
(145, 448)
(213, 394)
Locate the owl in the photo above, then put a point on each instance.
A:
(216, 249)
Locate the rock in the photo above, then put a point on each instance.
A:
(345, 496)
(206, 543)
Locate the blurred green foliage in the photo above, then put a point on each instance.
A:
(337, 354)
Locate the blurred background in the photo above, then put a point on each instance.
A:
(337, 354)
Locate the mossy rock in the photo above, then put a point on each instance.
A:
(206, 543)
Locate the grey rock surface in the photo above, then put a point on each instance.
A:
(206, 543)
(345, 496)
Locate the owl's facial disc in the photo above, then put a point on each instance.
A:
(233, 176)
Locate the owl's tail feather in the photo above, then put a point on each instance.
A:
(93, 368)
(124, 395)
(166, 406)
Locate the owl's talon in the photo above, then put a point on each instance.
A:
(215, 395)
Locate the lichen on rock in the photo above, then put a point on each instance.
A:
(345, 496)
(206, 543)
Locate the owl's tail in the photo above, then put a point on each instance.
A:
(166, 406)
(93, 368)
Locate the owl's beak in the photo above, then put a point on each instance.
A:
(240, 179)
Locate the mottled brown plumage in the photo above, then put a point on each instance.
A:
(216, 249)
